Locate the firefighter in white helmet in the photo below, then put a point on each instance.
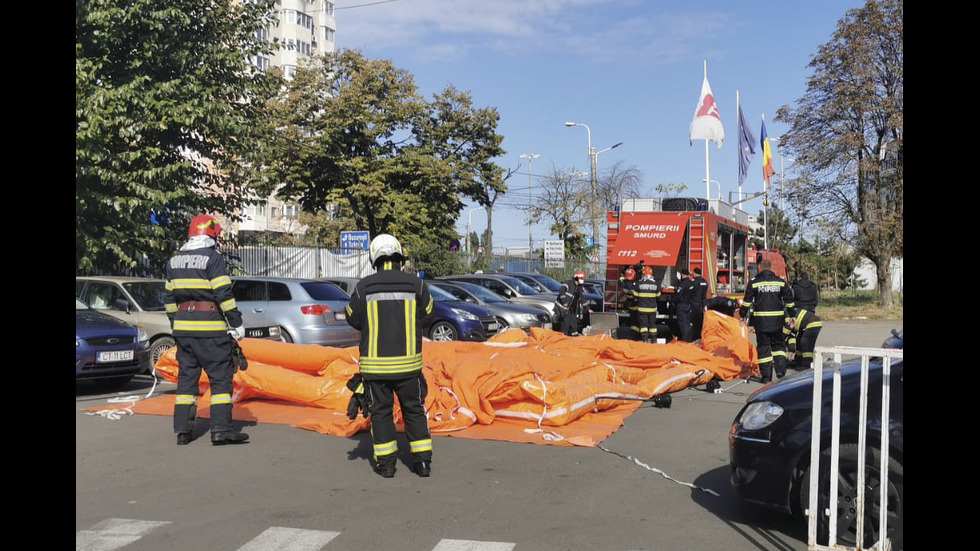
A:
(391, 308)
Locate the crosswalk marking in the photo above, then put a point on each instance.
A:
(113, 533)
(470, 545)
(279, 538)
(116, 533)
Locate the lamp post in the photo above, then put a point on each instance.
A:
(469, 222)
(593, 182)
(530, 244)
(713, 181)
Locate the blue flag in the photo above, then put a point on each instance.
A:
(746, 147)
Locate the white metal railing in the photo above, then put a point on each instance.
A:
(865, 355)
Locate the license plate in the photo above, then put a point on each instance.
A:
(257, 332)
(492, 326)
(115, 356)
(340, 316)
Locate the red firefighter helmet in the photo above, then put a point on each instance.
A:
(648, 270)
(580, 276)
(630, 274)
(204, 225)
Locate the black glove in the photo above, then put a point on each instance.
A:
(238, 359)
(359, 400)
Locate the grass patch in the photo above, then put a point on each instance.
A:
(850, 305)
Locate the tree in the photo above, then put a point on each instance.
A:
(616, 183)
(780, 231)
(166, 110)
(564, 201)
(355, 132)
(847, 132)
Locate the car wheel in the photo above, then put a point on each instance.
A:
(112, 383)
(502, 325)
(847, 497)
(443, 331)
(284, 336)
(158, 347)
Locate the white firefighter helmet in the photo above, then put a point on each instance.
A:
(385, 245)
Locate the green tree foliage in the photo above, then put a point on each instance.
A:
(356, 134)
(780, 231)
(847, 133)
(166, 104)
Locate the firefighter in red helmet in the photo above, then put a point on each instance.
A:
(628, 282)
(206, 324)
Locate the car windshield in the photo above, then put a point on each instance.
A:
(549, 282)
(482, 293)
(147, 294)
(322, 290)
(440, 295)
(520, 286)
(533, 283)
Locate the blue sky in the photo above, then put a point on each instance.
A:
(629, 69)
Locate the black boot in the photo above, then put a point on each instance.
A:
(386, 470)
(422, 468)
(228, 437)
(184, 438)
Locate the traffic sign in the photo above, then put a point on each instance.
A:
(354, 241)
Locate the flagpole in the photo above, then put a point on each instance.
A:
(738, 115)
(765, 198)
(707, 164)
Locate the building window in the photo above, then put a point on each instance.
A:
(257, 210)
(289, 71)
(290, 211)
(262, 63)
(329, 34)
(262, 33)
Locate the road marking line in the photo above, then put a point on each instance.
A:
(292, 539)
(113, 533)
(470, 545)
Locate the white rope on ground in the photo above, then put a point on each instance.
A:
(116, 414)
(658, 471)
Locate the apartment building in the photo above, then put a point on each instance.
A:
(306, 28)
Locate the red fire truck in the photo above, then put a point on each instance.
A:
(670, 234)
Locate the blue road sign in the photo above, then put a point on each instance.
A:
(353, 241)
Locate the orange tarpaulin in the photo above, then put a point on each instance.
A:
(541, 387)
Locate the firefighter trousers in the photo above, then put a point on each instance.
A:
(411, 393)
(214, 356)
(805, 345)
(772, 353)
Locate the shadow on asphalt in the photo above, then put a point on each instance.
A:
(761, 528)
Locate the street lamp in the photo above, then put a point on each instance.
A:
(713, 181)
(593, 161)
(530, 244)
(468, 223)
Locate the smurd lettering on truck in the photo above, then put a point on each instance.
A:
(651, 241)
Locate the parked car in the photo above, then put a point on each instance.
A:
(108, 351)
(309, 311)
(544, 283)
(346, 284)
(140, 301)
(455, 320)
(769, 447)
(510, 288)
(507, 313)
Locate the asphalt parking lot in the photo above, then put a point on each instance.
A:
(659, 483)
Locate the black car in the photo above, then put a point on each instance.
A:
(769, 447)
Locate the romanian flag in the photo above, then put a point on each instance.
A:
(767, 169)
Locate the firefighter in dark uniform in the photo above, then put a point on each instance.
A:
(205, 322)
(647, 295)
(801, 331)
(768, 297)
(683, 304)
(569, 303)
(628, 282)
(697, 303)
(391, 308)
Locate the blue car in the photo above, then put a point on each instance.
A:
(455, 320)
(108, 351)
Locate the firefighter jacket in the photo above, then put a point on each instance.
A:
(570, 298)
(684, 295)
(805, 294)
(700, 291)
(647, 294)
(629, 292)
(198, 297)
(769, 297)
(805, 320)
(390, 309)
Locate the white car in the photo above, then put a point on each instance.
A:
(139, 301)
